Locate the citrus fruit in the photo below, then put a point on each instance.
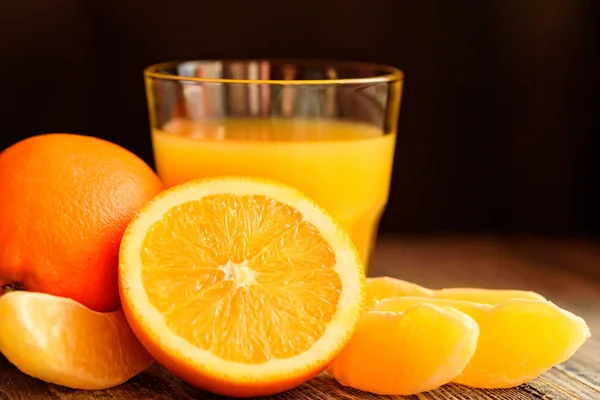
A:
(403, 353)
(60, 341)
(240, 286)
(65, 201)
(518, 340)
(385, 287)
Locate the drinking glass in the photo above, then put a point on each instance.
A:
(327, 128)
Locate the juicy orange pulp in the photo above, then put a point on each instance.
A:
(384, 287)
(240, 286)
(407, 352)
(234, 264)
(518, 341)
(60, 341)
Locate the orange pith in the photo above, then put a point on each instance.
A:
(240, 286)
(518, 341)
(238, 260)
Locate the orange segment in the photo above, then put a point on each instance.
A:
(240, 286)
(60, 341)
(518, 341)
(407, 352)
(384, 287)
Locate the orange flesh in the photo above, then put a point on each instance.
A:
(226, 265)
(407, 352)
(58, 340)
(382, 288)
(518, 341)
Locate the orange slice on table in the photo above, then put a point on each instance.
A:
(384, 287)
(240, 286)
(58, 340)
(408, 352)
(518, 341)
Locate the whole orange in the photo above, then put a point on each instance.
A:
(65, 201)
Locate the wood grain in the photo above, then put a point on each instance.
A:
(565, 271)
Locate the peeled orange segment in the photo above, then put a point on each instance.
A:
(240, 286)
(58, 340)
(407, 352)
(518, 340)
(384, 287)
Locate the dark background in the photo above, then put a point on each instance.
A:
(497, 131)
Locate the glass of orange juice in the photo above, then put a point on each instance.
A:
(327, 128)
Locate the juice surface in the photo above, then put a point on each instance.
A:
(344, 166)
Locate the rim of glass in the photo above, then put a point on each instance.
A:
(390, 74)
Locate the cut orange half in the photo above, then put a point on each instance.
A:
(384, 287)
(240, 286)
(60, 341)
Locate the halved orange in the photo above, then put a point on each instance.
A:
(384, 287)
(58, 340)
(518, 341)
(403, 353)
(240, 286)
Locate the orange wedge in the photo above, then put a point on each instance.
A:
(518, 340)
(403, 353)
(240, 286)
(61, 341)
(384, 287)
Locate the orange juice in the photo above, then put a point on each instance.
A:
(344, 166)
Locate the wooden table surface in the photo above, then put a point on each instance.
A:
(565, 271)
